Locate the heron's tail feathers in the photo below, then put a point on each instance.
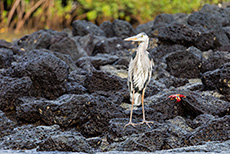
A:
(137, 98)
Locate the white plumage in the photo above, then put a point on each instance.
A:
(139, 73)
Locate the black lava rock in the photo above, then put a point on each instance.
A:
(6, 58)
(214, 130)
(69, 46)
(162, 20)
(147, 28)
(99, 59)
(184, 64)
(82, 28)
(6, 125)
(11, 89)
(186, 35)
(107, 27)
(107, 45)
(27, 137)
(10, 46)
(46, 71)
(102, 81)
(87, 112)
(218, 79)
(123, 29)
(66, 141)
(213, 60)
(210, 15)
(40, 39)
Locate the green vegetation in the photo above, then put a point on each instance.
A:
(58, 14)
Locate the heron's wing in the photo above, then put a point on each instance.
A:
(150, 67)
(130, 72)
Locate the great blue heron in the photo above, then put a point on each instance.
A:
(139, 74)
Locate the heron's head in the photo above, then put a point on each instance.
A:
(139, 37)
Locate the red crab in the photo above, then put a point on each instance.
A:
(177, 97)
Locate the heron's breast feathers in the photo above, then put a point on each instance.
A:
(139, 75)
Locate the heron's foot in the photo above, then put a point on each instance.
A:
(130, 123)
(146, 122)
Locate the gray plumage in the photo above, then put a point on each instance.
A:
(139, 73)
(140, 70)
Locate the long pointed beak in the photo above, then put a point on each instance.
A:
(133, 38)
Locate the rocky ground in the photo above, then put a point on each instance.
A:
(67, 92)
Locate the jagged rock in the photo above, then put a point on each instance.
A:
(75, 88)
(192, 85)
(46, 71)
(66, 58)
(77, 75)
(69, 46)
(218, 79)
(214, 130)
(206, 104)
(27, 137)
(186, 35)
(168, 80)
(177, 33)
(87, 43)
(102, 81)
(160, 51)
(107, 27)
(6, 58)
(117, 132)
(66, 141)
(213, 60)
(193, 105)
(75, 82)
(88, 112)
(166, 108)
(208, 147)
(117, 70)
(10, 46)
(153, 88)
(227, 31)
(107, 45)
(40, 39)
(162, 20)
(202, 120)
(99, 59)
(94, 142)
(204, 19)
(5, 44)
(221, 37)
(147, 28)
(83, 27)
(178, 129)
(180, 122)
(11, 89)
(85, 64)
(123, 29)
(173, 81)
(6, 125)
(143, 138)
(180, 18)
(124, 61)
(184, 64)
(149, 141)
(210, 15)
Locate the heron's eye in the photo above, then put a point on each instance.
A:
(141, 35)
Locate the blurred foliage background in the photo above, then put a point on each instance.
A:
(21, 15)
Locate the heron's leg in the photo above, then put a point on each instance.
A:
(131, 114)
(143, 110)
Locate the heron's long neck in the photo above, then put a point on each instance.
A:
(143, 47)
